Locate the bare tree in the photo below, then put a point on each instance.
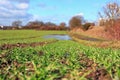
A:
(17, 23)
(50, 24)
(76, 21)
(35, 23)
(62, 25)
(111, 16)
(101, 22)
(110, 13)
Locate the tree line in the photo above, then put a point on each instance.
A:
(75, 22)
(38, 25)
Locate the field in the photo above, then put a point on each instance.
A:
(24, 36)
(26, 55)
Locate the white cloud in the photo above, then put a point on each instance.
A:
(3, 2)
(80, 14)
(11, 10)
(23, 5)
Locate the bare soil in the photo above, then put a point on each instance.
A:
(22, 45)
(96, 72)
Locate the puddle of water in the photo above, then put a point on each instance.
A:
(59, 37)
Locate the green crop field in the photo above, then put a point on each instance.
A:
(26, 55)
(24, 36)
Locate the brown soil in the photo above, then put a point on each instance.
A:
(29, 67)
(95, 72)
(19, 38)
(22, 45)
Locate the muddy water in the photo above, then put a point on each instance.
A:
(58, 37)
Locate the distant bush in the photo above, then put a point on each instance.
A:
(39, 25)
(76, 22)
(86, 26)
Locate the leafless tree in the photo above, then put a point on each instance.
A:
(111, 16)
(110, 12)
(76, 21)
(62, 25)
(17, 23)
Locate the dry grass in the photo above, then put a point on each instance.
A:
(96, 32)
(101, 44)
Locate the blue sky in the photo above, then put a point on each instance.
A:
(56, 11)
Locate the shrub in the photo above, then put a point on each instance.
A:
(114, 32)
(86, 26)
(76, 22)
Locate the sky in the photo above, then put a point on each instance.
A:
(55, 11)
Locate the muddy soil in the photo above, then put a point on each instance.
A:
(22, 45)
(96, 72)
(19, 38)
